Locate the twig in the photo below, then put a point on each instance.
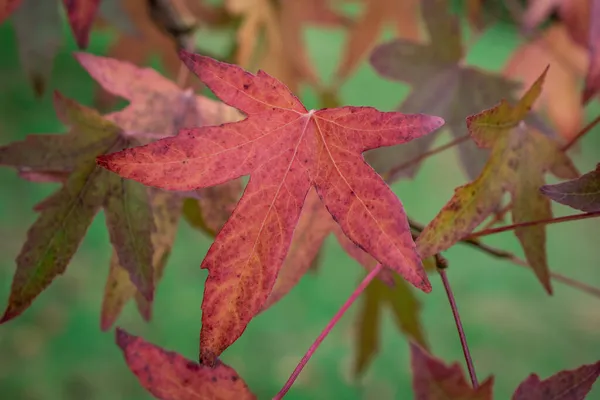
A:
(502, 254)
(425, 155)
(442, 265)
(581, 133)
(357, 292)
(548, 221)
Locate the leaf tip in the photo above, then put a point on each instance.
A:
(123, 338)
(9, 314)
(437, 122)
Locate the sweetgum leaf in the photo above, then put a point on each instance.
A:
(286, 149)
(442, 84)
(169, 376)
(565, 385)
(433, 380)
(582, 193)
(519, 158)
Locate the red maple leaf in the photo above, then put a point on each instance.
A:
(285, 149)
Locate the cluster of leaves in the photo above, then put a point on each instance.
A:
(172, 153)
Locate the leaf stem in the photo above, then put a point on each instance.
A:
(581, 133)
(548, 221)
(390, 174)
(442, 265)
(357, 292)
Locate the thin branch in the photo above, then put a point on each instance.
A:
(502, 254)
(357, 292)
(425, 155)
(548, 221)
(442, 265)
(581, 133)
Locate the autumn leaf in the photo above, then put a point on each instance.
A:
(582, 193)
(561, 98)
(66, 215)
(38, 47)
(520, 156)
(158, 108)
(286, 150)
(169, 376)
(433, 380)
(366, 31)
(565, 385)
(406, 310)
(442, 84)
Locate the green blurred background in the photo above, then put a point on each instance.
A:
(56, 350)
